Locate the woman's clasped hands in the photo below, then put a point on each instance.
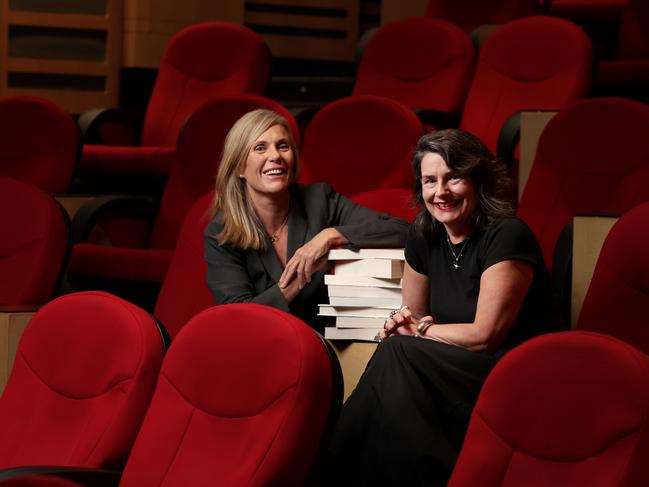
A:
(403, 322)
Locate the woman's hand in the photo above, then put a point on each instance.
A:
(401, 322)
(310, 258)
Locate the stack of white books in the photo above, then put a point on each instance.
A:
(364, 288)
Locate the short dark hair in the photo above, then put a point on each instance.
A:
(469, 157)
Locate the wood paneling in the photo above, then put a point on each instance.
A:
(306, 29)
(589, 233)
(12, 325)
(31, 63)
(149, 25)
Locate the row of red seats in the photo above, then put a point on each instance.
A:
(92, 387)
(571, 174)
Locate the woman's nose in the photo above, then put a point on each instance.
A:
(272, 152)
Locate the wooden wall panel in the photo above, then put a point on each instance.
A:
(399, 9)
(71, 58)
(306, 29)
(149, 25)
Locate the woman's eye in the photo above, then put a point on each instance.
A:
(284, 147)
(429, 181)
(259, 148)
(455, 177)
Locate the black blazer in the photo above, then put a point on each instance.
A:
(235, 275)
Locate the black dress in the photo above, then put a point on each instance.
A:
(405, 422)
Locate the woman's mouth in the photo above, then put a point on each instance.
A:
(446, 205)
(274, 172)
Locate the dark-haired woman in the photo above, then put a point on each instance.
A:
(474, 286)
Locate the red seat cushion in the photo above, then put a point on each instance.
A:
(39, 143)
(617, 302)
(392, 64)
(201, 62)
(34, 243)
(184, 291)
(571, 175)
(346, 144)
(83, 376)
(242, 400)
(394, 201)
(516, 71)
(563, 409)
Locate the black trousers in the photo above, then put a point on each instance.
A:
(405, 422)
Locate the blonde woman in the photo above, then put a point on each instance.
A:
(269, 237)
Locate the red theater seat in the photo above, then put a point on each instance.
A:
(424, 63)
(201, 62)
(617, 301)
(360, 143)
(470, 14)
(84, 373)
(573, 174)
(184, 292)
(534, 63)
(33, 246)
(394, 201)
(192, 175)
(39, 143)
(561, 410)
(244, 397)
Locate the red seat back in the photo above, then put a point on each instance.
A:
(242, 399)
(39, 143)
(470, 14)
(198, 154)
(394, 201)
(184, 291)
(534, 63)
(573, 175)
(203, 61)
(563, 409)
(34, 243)
(360, 143)
(421, 62)
(617, 302)
(82, 379)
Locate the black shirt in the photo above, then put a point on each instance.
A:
(454, 292)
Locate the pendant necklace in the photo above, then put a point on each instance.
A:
(456, 257)
(275, 236)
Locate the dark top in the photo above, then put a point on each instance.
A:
(454, 292)
(236, 275)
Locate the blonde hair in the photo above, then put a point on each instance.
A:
(241, 226)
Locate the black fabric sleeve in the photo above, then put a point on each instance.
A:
(416, 252)
(510, 239)
(228, 278)
(361, 226)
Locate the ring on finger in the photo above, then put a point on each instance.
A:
(393, 312)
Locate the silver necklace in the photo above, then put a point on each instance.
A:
(456, 258)
(275, 236)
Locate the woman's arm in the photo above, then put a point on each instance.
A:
(503, 287)
(347, 223)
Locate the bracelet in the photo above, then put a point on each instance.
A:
(423, 326)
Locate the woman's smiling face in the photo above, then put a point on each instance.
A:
(450, 198)
(269, 166)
